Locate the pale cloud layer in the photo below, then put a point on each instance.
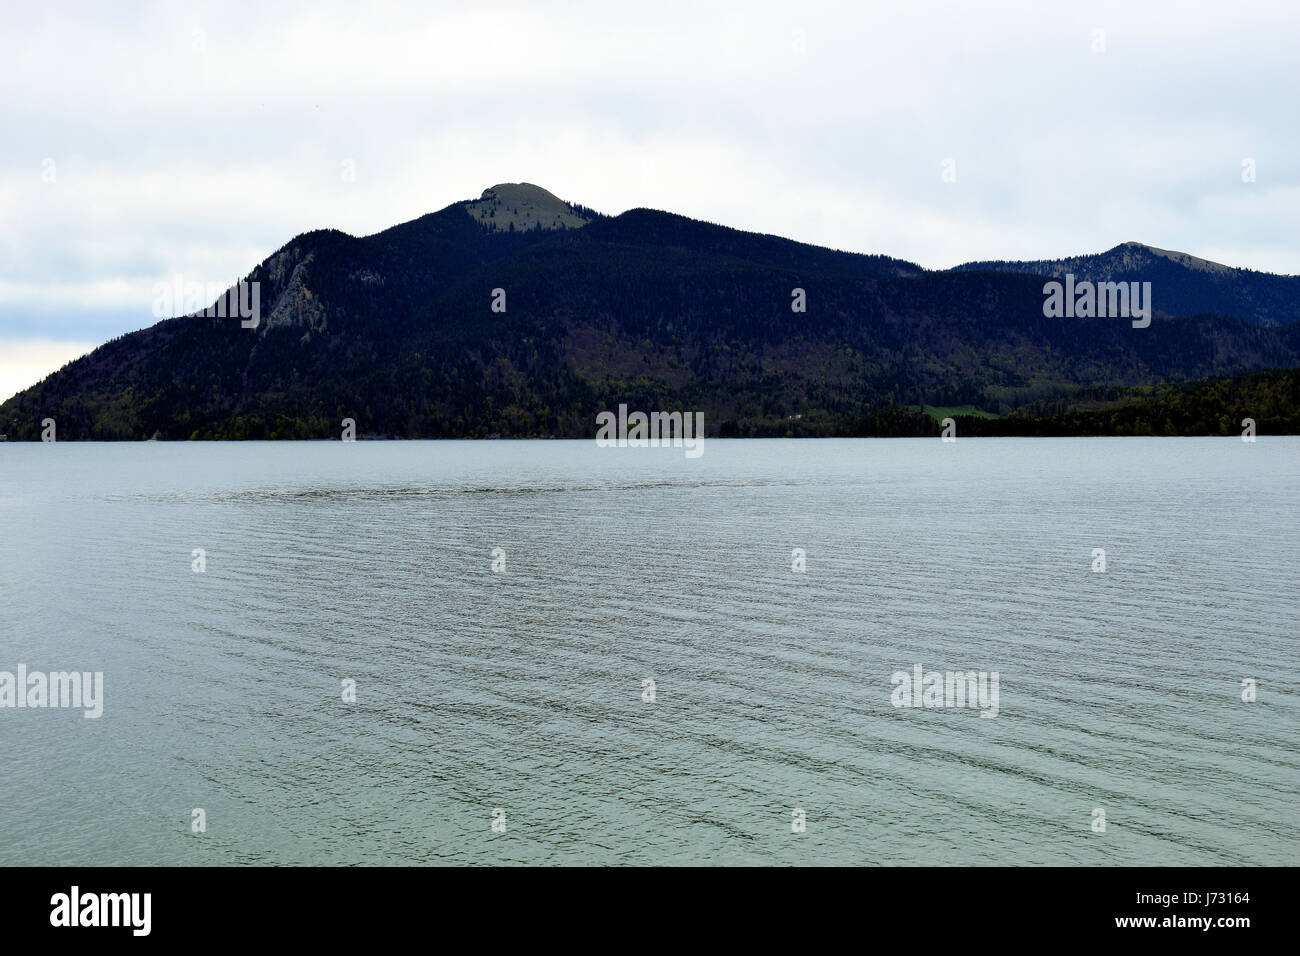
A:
(147, 140)
(27, 361)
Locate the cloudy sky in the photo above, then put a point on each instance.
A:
(142, 141)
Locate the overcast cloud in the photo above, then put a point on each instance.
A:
(141, 141)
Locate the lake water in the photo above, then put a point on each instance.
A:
(522, 690)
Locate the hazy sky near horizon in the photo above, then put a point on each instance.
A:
(142, 141)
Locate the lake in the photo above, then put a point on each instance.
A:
(645, 677)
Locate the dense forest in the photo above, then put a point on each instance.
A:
(452, 326)
(1217, 406)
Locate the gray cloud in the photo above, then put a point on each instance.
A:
(196, 139)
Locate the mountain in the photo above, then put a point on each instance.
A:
(1181, 284)
(518, 314)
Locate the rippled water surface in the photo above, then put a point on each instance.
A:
(522, 690)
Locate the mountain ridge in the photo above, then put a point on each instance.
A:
(1185, 283)
(398, 331)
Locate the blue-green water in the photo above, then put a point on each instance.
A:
(523, 689)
